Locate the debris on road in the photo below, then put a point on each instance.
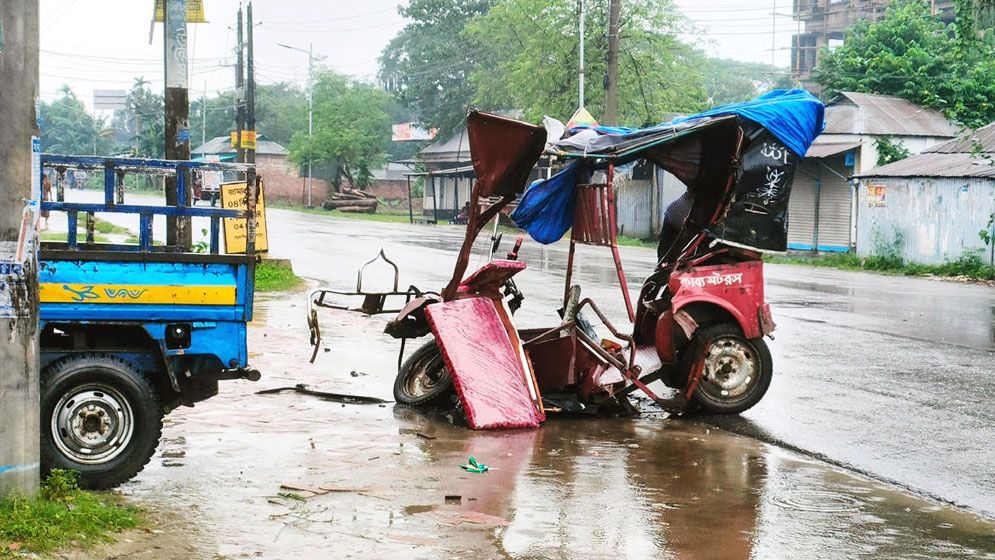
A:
(334, 397)
(473, 466)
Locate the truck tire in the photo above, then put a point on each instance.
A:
(423, 378)
(99, 417)
(737, 372)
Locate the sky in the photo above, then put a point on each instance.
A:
(104, 44)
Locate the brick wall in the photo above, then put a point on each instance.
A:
(283, 183)
(390, 190)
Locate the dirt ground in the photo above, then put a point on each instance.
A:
(289, 476)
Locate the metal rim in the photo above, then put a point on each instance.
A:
(92, 423)
(732, 367)
(425, 377)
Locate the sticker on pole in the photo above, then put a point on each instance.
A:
(14, 299)
(236, 229)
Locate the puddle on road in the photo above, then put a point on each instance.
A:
(575, 488)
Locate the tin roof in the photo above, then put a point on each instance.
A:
(937, 165)
(982, 139)
(884, 115)
(222, 145)
(825, 149)
(972, 154)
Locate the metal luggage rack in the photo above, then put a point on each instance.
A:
(115, 169)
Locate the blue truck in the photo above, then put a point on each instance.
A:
(131, 331)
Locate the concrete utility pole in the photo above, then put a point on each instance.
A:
(19, 182)
(580, 76)
(611, 83)
(177, 97)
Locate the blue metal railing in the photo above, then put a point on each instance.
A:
(115, 169)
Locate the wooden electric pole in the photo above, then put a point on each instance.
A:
(20, 192)
(611, 79)
(177, 106)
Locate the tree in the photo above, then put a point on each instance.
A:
(351, 129)
(533, 47)
(140, 126)
(911, 54)
(428, 64)
(67, 127)
(731, 81)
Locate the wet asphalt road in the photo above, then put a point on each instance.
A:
(854, 384)
(890, 376)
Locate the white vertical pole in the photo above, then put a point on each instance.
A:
(310, 117)
(581, 13)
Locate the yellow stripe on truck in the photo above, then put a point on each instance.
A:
(137, 294)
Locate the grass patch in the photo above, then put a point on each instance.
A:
(61, 515)
(276, 276)
(378, 217)
(635, 242)
(968, 266)
(103, 226)
(80, 238)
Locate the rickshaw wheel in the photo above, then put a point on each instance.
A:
(737, 372)
(423, 378)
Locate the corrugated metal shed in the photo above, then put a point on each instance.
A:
(884, 115)
(972, 154)
(937, 165)
(929, 220)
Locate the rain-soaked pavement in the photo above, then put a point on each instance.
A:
(890, 380)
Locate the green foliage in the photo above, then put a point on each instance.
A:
(60, 515)
(427, 66)
(890, 151)
(67, 127)
(911, 54)
(139, 126)
(351, 129)
(988, 234)
(276, 276)
(969, 265)
(731, 81)
(533, 60)
(281, 110)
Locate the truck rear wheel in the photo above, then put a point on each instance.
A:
(100, 417)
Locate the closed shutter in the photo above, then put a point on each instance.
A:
(834, 214)
(801, 206)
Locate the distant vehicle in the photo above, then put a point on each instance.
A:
(129, 332)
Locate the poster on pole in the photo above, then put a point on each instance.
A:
(195, 11)
(236, 229)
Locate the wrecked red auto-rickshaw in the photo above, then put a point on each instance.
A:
(700, 317)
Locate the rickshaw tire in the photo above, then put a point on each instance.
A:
(704, 403)
(427, 356)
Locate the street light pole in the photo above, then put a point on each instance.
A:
(310, 111)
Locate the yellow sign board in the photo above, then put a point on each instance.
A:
(50, 292)
(233, 198)
(195, 11)
(248, 139)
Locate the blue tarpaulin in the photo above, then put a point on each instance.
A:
(794, 116)
(546, 210)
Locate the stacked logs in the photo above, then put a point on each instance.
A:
(351, 200)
